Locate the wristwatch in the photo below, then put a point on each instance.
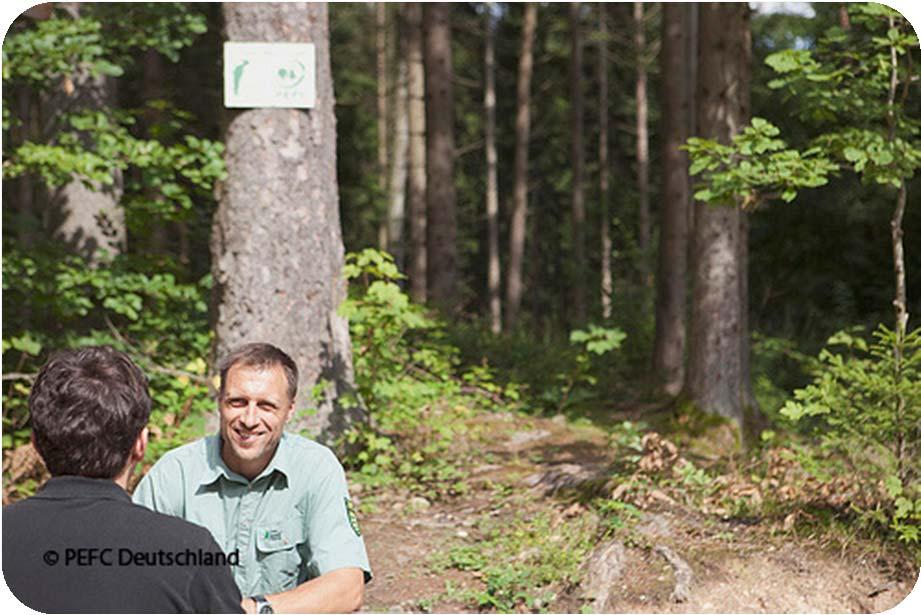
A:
(262, 605)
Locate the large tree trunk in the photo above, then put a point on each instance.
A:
(88, 218)
(604, 171)
(668, 352)
(276, 246)
(642, 140)
(579, 312)
(718, 380)
(418, 257)
(492, 181)
(439, 122)
(520, 192)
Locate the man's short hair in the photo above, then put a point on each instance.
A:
(261, 355)
(88, 406)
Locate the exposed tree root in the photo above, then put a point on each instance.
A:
(683, 574)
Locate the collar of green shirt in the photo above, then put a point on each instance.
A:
(281, 462)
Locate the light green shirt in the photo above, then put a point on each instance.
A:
(291, 523)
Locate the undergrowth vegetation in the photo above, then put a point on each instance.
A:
(842, 447)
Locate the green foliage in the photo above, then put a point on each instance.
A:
(755, 166)
(52, 301)
(100, 41)
(865, 405)
(523, 562)
(55, 48)
(616, 515)
(598, 340)
(165, 175)
(94, 145)
(846, 87)
(410, 380)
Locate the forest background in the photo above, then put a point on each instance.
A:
(516, 185)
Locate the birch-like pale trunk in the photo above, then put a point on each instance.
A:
(604, 172)
(518, 223)
(492, 182)
(418, 265)
(642, 141)
(383, 239)
(396, 210)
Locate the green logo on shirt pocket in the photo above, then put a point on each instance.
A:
(353, 518)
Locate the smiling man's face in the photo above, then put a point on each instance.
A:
(254, 409)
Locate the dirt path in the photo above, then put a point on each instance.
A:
(674, 559)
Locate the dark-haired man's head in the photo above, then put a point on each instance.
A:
(89, 408)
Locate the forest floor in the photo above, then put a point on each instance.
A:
(507, 542)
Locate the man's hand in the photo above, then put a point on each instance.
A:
(337, 591)
(249, 605)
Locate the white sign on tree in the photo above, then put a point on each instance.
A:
(270, 75)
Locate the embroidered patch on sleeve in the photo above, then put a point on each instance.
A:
(353, 518)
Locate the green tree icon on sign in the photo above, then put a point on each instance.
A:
(290, 77)
(238, 75)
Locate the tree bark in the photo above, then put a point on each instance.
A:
(152, 88)
(642, 140)
(492, 183)
(418, 263)
(671, 280)
(518, 223)
(718, 380)
(692, 54)
(441, 194)
(89, 218)
(607, 283)
(276, 245)
(381, 50)
(579, 312)
(396, 211)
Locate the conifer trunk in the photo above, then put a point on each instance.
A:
(671, 280)
(88, 218)
(492, 181)
(441, 196)
(277, 252)
(579, 313)
(520, 192)
(418, 265)
(642, 140)
(607, 283)
(718, 381)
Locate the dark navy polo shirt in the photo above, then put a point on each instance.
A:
(80, 545)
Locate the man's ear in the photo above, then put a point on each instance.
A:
(140, 446)
(290, 412)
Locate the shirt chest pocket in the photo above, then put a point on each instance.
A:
(277, 552)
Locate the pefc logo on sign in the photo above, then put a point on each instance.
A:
(269, 75)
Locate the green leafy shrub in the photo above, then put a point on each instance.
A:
(52, 302)
(409, 378)
(523, 562)
(864, 404)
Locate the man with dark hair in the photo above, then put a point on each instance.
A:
(80, 545)
(280, 499)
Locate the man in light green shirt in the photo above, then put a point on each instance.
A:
(278, 499)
